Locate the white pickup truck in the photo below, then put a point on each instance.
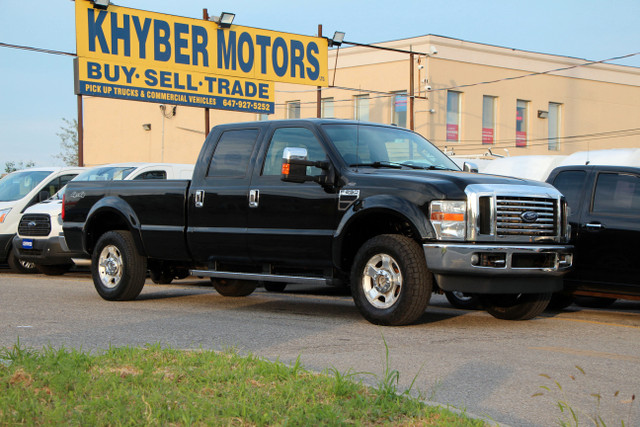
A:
(18, 191)
(40, 239)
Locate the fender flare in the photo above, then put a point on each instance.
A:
(112, 205)
(399, 207)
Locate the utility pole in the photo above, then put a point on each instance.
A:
(207, 126)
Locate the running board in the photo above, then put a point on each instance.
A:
(264, 277)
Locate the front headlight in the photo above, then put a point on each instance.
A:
(449, 219)
(3, 214)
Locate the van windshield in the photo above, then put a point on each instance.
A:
(18, 184)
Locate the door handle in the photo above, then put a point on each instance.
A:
(254, 198)
(199, 198)
(594, 226)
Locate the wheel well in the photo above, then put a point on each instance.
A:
(100, 224)
(369, 226)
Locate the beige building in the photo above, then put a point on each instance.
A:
(468, 97)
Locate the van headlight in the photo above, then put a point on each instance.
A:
(3, 214)
(449, 219)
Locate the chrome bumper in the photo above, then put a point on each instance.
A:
(462, 259)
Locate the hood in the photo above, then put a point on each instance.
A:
(51, 207)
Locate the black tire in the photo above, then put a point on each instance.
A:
(390, 282)
(275, 286)
(463, 300)
(118, 270)
(161, 277)
(559, 301)
(233, 287)
(20, 266)
(515, 306)
(54, 270)
(594, 302)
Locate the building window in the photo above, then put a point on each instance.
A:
(361, 104)
(293, 109)
(554, 126)
(488, 119)
(453, 115)
(262, 117)
(522, 122)
(326, 106)
(399, 109)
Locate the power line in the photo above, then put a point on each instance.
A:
(37, 49)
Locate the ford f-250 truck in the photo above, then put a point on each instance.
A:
(333, 202)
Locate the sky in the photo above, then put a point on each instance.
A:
(36, 89)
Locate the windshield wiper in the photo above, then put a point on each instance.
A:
(378, 165)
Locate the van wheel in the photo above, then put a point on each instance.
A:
(234, 287)
(515, 306)
(19, 265)
(54, 270)
(463, 300)
(390, 282)
(117, 269)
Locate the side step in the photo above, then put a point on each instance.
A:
(264, 277)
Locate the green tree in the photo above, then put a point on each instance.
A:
(12, 166)
(68, 142)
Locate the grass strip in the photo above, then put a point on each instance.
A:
(163, 386)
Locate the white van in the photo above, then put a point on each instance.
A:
(40, 239)
(18, 191)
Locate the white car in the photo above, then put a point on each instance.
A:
(18, 191)
(40, 239)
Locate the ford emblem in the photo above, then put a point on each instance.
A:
(31, 224)
(529, 216)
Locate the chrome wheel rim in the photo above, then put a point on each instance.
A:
(110, 266)
(382, 281)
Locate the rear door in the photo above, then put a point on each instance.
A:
(218, 201)
(290, 223)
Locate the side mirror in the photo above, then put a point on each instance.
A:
(294, 167)
(470, 167)
(43, 195)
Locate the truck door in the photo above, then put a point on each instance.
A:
(290, 223)
(609, 232)
(218, 206)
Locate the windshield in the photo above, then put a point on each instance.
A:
(369, 145)
(105, 173)
(18, 184)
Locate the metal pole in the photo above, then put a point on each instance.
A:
(207, 126)
(410, 90)
(80, 133)
(319, 92)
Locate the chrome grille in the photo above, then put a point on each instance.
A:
(34, 225)
(528, 216)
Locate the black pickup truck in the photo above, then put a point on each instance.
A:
(332, 202)
(604, 216)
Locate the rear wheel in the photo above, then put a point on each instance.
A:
(234, 287)
(54, 270)
(515, 306)
(390, 282)
(117, 269)
(19, 265)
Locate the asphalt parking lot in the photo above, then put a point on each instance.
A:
(466, 359)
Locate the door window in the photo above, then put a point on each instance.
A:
(292, 137)
(232, 154)
(570, 184)
(617, 194)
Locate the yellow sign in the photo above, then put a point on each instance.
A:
(134, 54)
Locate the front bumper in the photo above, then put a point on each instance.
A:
(498, 268)
(50, 251)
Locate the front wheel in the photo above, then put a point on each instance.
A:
(390, 282)
(117, 269)
(515, 306)
(19, 265)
